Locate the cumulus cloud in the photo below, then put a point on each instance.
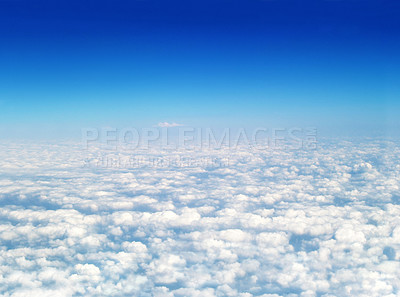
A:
(267, 223)
(168, 125)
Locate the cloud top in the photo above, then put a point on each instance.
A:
(168, 125)
(271, 223)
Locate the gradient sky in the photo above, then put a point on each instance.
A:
(72, 64)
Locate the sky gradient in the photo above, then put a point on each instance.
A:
(73, 64)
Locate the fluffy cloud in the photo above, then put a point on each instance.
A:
(321, 222)
(168, 125)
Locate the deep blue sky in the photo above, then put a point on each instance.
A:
(71, 64)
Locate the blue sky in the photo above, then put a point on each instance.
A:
(73, 64)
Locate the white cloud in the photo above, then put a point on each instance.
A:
(272, 223)
(168, 125)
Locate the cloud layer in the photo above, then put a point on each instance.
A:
(321, 222)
